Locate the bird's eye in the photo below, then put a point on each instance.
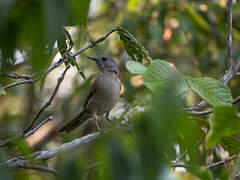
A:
(104, 59)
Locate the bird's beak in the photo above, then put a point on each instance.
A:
(93, 58)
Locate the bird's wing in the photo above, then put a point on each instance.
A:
(91, 91)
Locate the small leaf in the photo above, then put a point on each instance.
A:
(212, 90)
(231, 145)
(2, 91)
(62, 42)
(225, 122)
(160, 73)
(135, 67)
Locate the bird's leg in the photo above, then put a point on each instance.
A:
(107, 117)
(95, 119)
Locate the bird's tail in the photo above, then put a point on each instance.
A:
(77, 121)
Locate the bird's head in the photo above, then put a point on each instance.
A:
(106, 64)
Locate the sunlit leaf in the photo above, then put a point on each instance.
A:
(135, 67)
(160, 73)
(225, 122)
(212, 90)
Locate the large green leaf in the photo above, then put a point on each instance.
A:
(225, 122)
(212, 90)
(135, 67)
(160, 73)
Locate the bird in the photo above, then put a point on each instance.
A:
(102, 96)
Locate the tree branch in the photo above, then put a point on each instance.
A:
(59, 62)
(20, 162)
(25, 135)
(209, 111)
(18, 76)
(47, 154)
(29, 81)
(59, 81)
(38, 126)
(219, 163)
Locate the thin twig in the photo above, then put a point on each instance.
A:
(38, 126)
(20, 162)
(61, 61)
(29, 81)
(206, 112)
(19, 76)
(236, 100)
(41, 168)
(5, 142)
(219, 163)
(209, 111)
(229, 36)
(92, 44)
(47, 154)
(91, 166)
(59, 81)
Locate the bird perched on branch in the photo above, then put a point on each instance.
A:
(103, 94)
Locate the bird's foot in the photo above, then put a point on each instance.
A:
(107, 118)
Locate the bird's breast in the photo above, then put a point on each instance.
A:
(107, 93)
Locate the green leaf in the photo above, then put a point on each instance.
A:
(212, 90)
(62, 41)
(135, 67)
(2, 91)
(225, 122)
(132, 46)
(160, 73)
(231, 145)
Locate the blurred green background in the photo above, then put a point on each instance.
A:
(152, 131)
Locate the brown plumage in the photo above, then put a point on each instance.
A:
(103, 95)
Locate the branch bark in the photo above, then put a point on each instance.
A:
(59, 81)
(21, 162)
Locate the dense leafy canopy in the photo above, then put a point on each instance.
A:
(154, 129)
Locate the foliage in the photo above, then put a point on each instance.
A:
(154, 129)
